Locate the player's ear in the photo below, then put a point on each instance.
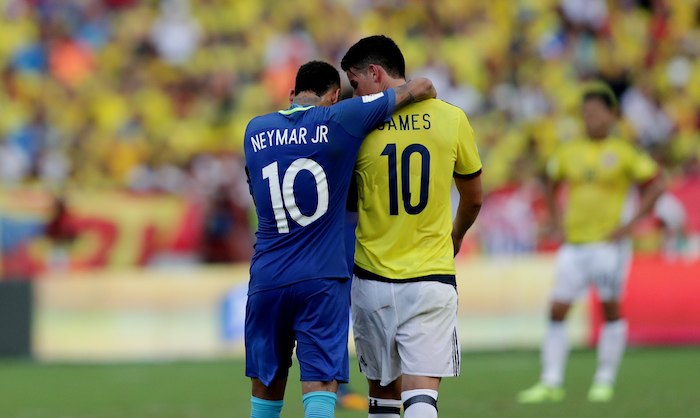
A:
(374, 71)
(291, 95)
(336, 96)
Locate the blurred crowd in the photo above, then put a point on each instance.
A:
(154, 96)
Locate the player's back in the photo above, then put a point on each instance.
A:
(404, 173)
(299, 167)
(299, 164)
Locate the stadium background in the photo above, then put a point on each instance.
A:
(123, 204)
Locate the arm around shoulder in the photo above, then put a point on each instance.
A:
(414, 91)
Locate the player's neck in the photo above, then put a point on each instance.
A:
(306, 99)
(394, 82)
(598, 138)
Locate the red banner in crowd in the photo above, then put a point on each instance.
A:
(114, 229)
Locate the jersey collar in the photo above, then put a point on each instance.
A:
(295, 108)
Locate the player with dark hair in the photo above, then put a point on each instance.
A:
(299, 163)
(404, 297)
(599, 171)
(316, 77)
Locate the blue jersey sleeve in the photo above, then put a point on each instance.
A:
(361, 115)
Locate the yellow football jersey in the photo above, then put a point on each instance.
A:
(599, 175)
(404, 176)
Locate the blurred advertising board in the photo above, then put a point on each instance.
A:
(199, 312)
(137, 314)
(503, 303)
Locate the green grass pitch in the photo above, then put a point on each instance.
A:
(659, 382)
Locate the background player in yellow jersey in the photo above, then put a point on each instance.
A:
(404, 298)
(599, 171)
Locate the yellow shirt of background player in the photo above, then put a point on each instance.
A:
(599, 175)
(404, 176)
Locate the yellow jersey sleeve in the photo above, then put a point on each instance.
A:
(554, 165)
(468, 161)
(642, 166)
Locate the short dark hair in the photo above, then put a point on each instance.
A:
(599, 90)
(379, 50)
(317, 77)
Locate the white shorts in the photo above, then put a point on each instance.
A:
(601, 264)
(405, 328)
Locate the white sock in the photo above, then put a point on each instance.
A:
(419, 403)
(384, 408)
(555, 350)
(611, 346)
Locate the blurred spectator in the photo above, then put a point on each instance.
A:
(284, 54)
(32, 140)
(686, 190)
(70, 61)
(14, 164)
(649, 121)
(509, 224)
(670, 213)
(225, 230)
(464, 96)
(589, 13)
(95, 30)
(61, 231)
(175, 33)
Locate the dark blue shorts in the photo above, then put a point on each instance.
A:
(315, 314)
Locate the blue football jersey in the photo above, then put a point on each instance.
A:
(299, 164)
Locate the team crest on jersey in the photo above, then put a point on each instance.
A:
(371, 97)
(609, 160)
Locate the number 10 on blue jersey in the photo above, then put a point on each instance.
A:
(283, 199)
